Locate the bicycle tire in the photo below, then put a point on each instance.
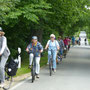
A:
(9, 85)
(33, 73)
(50, 67)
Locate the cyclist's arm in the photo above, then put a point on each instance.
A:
(3, 46)
(41, 48)
(57, 45)
(28, 48)
(47, 45)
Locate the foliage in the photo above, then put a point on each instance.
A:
(21, 19)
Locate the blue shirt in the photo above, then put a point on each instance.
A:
(73, 39)
(35, 49)
(61, 44)
(52, 45)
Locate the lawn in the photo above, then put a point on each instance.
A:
(24, 68)
(89, 41)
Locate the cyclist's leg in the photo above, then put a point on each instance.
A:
(58, 56)
(49, 55)
(54, 59)
(72, 42)
(61, 53)
(37, 65)
(31, 59)
(2, 68)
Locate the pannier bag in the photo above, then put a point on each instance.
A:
(12, 67)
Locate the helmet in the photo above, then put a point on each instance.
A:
(52, 35)
(34, 37)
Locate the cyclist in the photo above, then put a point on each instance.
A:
(79, 40)
(53, 45)
(73, 40)
(61, 45)
(36, 47)
(65, 43)
(69, 42)
(85, 40)
(65, 46)
(4, 54)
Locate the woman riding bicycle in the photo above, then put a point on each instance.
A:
(35, 49)
(4, 54)
(53, 45)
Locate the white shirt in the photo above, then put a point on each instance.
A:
(54, 43)
(3, 46)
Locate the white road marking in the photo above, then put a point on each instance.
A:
(19, 84)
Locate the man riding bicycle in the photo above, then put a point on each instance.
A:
(61, 45)
(53, 45)
(35, 48)
(73, 40)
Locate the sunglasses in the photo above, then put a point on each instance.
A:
(52, 37)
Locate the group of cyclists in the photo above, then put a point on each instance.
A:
(35, 49)
(78, 41)
(57, 46)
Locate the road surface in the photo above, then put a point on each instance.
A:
(72, 74)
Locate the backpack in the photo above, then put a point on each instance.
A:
(12, 67)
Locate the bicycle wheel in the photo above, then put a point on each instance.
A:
(9, 81)
(33, 73)
(50, 67)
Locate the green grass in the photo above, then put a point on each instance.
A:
(24, 69)
(89, 41)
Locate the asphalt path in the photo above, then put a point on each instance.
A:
(72, 74)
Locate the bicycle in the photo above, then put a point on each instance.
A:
(9, 79)
(9, 73)
(33, 67)
(65, 52)
(33, 74)
(51, 63)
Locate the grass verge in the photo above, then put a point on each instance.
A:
(89, 41)
(24, 68)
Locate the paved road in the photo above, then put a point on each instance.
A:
(72, 74)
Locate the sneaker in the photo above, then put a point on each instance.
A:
(29, 66)
(37, 76)
(54, 70)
